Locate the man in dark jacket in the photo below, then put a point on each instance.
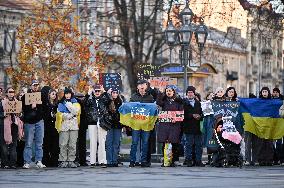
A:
(191, 127)
(142, 95)
(33, 128)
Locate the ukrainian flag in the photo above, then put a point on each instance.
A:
(261, 117)
(139, 116)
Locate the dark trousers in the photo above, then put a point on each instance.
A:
(81, 145)
(50, 146)
(9, 151)
(279, 151)
(152, 145)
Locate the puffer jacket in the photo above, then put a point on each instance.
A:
(95, 107)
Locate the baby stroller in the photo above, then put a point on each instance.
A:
(228, 140)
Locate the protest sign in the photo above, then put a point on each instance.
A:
(145, 71)
(31, 98)
(11, 107)
(207, 108)
(162, 82)
(111, 80)
(171, 116)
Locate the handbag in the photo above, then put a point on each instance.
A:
(281, 110)
(106, 121)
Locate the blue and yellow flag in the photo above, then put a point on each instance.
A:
(138, 116)
(262, 118)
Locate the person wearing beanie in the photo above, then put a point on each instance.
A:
(33, 129)
(67, 124)
(191, 127)
(219, 94)
(97, 103)
(114, 134)
(143, 96)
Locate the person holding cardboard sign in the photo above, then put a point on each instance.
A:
(11, 129)
(33, 127)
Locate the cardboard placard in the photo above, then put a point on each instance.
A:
(13, 107)
(171, 116)
(162, 82)
(111, 80)
(31, 98)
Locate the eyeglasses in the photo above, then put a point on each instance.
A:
(97, 91)
(11, 91)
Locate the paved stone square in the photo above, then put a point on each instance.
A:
(156, 176)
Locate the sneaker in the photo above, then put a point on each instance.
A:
(137, 164)
(132, 164)
(103, 165)
(40, 165)
(190, 164)
(177, 163)
(13, 167)
(145, 164)
(63, 164)
(72, 165)
(200, 164)
(26, 166)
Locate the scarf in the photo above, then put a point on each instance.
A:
(8, 124)
(62, 107)
(190, 102)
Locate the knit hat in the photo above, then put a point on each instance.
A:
(219, 89)
(115, 89)
(190, 88)
(67, 90)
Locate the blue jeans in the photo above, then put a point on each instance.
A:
(136, 136)
(191, 139)
(33, 132)
(112, 145)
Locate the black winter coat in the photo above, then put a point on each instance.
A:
(116, 116)
(190, 124)
(31, 115)
(137, 97)
(96, 107)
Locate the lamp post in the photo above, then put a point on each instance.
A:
(183, 36)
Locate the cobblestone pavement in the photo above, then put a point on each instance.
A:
(155, 176)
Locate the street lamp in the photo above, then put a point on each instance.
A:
(183, 36)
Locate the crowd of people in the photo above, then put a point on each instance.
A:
(54, 131)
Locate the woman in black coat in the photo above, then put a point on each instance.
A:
(169, 132)
(50, 141)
